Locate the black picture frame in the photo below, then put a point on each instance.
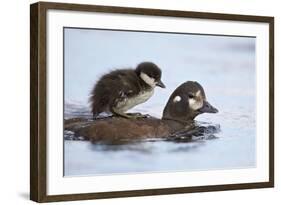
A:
(38, 100)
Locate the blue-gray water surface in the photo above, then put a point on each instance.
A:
(224, 66)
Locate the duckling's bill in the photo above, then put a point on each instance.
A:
(160, 84)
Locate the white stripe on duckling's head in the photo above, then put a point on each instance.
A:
(148, 80)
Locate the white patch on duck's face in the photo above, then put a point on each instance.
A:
(131, 102)
(196, 102)
(177, 99)
(148, 80)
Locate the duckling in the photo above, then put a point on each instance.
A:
(123, 89)
(185, 103)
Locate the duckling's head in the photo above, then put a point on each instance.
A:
(186, 102)
(150, 74)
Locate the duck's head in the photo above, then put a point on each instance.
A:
(150, 74)
(186, 102)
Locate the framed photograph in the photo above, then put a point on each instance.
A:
(135, 102)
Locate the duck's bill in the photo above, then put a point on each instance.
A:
(160, 84)
(208, 108)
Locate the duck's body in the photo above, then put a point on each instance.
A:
(122, 89)
(112, 130)
(186, 102)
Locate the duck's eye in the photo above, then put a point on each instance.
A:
(190, 95)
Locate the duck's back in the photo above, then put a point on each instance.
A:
(114, 87)
(123, 129)
(112, 130)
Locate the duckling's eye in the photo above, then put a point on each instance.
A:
(191, 95)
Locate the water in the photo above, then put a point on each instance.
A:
(224, 66)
